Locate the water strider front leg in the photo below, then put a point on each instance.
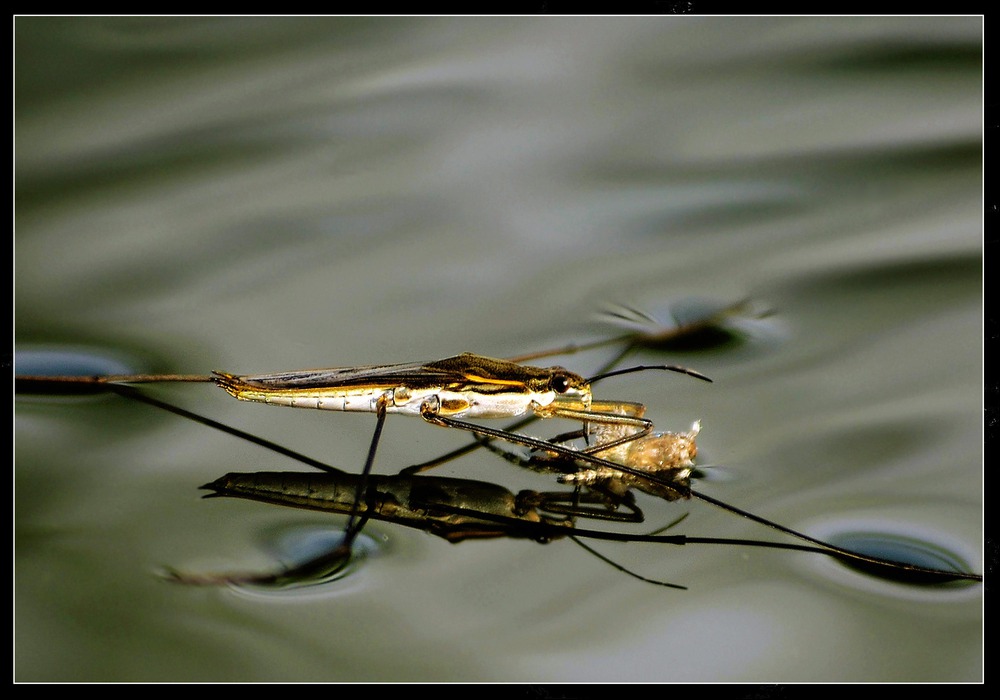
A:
(619, 423)
(626, 455)
(431, 414)
(357, 521)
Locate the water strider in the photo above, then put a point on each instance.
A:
(466, 386)
(458, 509)
(624, 452)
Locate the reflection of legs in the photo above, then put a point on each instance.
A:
(538, 463)
(569, 502)
(574, 504)
(326, 563)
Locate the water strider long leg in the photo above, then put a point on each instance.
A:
(569, 453)
(356, 523)
(137, 395)
(25, 383)
(820, 547)
(659, 335)
(327, 563)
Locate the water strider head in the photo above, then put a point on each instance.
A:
(494, 381)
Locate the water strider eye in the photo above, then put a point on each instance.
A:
(560, 383)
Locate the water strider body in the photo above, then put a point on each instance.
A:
(443, 391)
(466, 385)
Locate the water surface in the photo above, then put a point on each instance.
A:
(256, 194)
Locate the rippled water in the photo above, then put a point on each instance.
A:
(260, 194)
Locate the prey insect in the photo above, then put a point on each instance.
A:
(658, 463)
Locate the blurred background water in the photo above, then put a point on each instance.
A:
(257, 194)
